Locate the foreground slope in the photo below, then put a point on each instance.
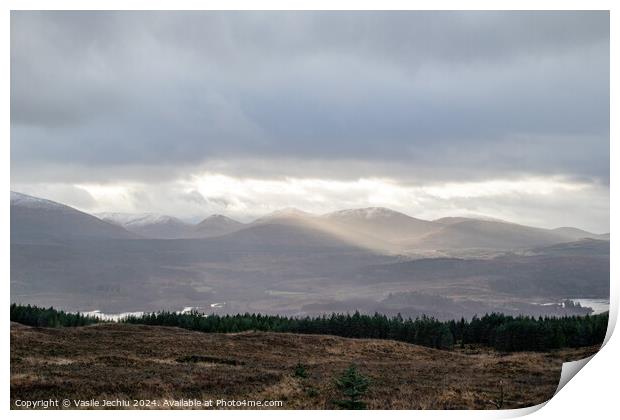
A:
(158, 363)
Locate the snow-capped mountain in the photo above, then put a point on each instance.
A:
(150, 225)
(28, 201)
(134, 219)
(374, 228)
(36, 219)
(287, 213)
(366, 213)
(160, 226)
(381, 223)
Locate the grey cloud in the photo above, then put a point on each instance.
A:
(193, 197)
(451, 95)
(196, 198)
(220, 201)
(590, 212)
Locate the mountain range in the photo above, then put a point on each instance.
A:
(157, 226)
(296, 262)
(375, 228)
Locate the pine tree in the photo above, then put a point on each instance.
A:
(353, 385)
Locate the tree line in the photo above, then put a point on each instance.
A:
(503, 332)
(522, 333)
(48, 317)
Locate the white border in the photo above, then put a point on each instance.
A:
(591, 395)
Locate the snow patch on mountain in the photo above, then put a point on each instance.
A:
(23, 200)
(366, 213)
(288, 212)
(220, 219)
(136, 220)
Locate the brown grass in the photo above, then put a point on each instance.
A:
(127, 362)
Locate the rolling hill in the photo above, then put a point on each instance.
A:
(488, 234)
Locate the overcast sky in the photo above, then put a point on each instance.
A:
(500, 114)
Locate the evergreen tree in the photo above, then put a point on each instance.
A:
(353, 385)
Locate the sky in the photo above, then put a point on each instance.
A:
(494, 114)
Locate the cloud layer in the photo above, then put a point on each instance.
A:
(420, 99)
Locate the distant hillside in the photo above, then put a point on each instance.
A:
(583, 247)
(584, 273)
(488, 234)
(38, 220)
(215, 225)
(575, 234)
(381, 223)
(279, 234)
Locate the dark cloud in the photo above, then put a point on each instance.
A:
(447, 95)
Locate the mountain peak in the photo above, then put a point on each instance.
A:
(218, 218)
(288, 212)
(366, 213)
(215, 225)
(38, 219)
(458, 219)
(139, 219)
(24, 200)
